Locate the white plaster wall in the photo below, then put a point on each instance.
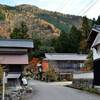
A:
(96, 54)
(83, 75)
(97, 40)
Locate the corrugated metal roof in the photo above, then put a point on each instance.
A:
(65, 56)
(17, 43)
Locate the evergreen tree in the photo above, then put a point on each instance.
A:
(85, 27)
(85, 32)
(37, 43)
(58, 46)
(63, 38)
(74, 39)
(93, 21)
(53, 41)
(42, 50)
(20, 32)
(98, 20)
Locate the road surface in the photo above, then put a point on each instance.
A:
(56, 91)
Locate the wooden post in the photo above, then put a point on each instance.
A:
(28, 83)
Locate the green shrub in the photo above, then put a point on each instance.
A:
(93, 90)
(64, 80)
(71, 78)
(52, 79)
(1, 88)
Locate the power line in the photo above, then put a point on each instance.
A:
(65, 4)
(71, 3)
(61, 4)
(85, 7)
(89, 8)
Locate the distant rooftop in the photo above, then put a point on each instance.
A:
(16, 43)
(65, 56)
(96, 27)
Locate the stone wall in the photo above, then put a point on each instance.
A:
(82, 83)
(14, 94)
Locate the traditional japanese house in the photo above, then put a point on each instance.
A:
(65, 64)
(14, 58)
(93, 42)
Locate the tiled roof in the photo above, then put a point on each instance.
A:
(65, 56)
(17, 43)
(94, 31)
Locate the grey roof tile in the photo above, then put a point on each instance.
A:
(17, 43)
(65, 56)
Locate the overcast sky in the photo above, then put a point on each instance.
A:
(90, 8)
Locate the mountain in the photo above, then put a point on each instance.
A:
(42, 24)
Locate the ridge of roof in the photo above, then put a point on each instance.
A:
(64, 54)
(15, 40)
(20, 43)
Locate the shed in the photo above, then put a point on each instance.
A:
(14, 56)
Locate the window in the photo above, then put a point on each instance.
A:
(81, 65)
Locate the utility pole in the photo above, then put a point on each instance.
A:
(3, 86)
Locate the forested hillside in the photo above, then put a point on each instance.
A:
(39, 28)
(42, 24)
(50, 31)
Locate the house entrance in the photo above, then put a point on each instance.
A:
(15, 68)
(97, 72)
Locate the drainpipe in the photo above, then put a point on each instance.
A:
(3, 86)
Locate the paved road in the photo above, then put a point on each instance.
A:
(51, 91)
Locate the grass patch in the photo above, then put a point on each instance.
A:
(91, 90)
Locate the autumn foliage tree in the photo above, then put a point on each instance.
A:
(2, 16)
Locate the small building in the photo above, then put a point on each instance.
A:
(65, 64)
(93, 42)
(14, 57)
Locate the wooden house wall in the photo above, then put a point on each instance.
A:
(65, 65)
